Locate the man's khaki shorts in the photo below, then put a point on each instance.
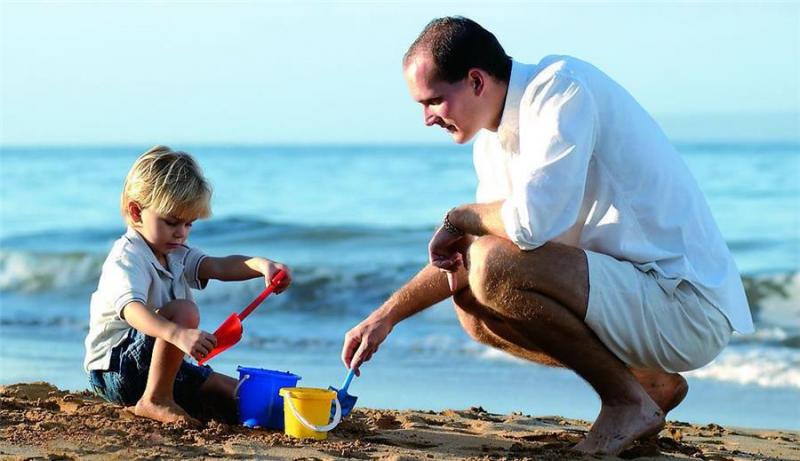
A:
(649, 321)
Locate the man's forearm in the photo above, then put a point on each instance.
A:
(479, 219)
(427, 288)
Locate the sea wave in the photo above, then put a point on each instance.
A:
(229, 229)
(774, 298)
(749, 364)
(753, 365)
(769, 367)
(74, 258)
(320, 290)
(33, 272)
(327, 289)
(55, 321)
(236, 228)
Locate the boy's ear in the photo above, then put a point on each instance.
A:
(135, 211)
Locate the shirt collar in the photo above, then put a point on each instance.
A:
(138, 241)
(508, 129)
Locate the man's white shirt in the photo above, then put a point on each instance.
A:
(577, 160)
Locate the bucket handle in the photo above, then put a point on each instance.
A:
(337, 417)
(236, 389)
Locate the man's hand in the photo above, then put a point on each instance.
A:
(446, 252)
(196, 343)
(363, 340)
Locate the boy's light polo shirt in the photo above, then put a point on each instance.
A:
(131, 272)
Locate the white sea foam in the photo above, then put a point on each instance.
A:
(782, 310)
(760, 366)
(31, 272)
(768, 367)
(489, 353)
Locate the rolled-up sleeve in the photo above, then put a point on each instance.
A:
(557, 136)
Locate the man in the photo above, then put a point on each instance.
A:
(591, 246)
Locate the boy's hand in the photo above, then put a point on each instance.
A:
(270, 268)
(194, 342)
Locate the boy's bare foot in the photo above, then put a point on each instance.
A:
(618, 426)
(163, 411)
(666, 389)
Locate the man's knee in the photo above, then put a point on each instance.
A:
(488, 267)
(471, 324)
(183, 312)
(470, 314)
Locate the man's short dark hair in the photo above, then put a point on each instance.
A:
(458, 44)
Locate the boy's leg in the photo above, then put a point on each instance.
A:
(217, 393)
(158, 401)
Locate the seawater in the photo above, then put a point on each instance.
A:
(353, 223)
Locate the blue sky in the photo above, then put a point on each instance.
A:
(316, 72)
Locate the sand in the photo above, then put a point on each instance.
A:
(39, 421)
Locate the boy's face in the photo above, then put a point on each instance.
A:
(164, 234)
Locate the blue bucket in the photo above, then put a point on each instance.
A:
(257, 394)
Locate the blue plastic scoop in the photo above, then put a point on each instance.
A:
(346, 400)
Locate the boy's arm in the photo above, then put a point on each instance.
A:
(238, 267)
(194, 342)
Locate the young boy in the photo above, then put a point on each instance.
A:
(142, 317)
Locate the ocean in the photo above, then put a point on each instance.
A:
(353, 223)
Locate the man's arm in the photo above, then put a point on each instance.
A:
(479, 219)
(427, 288)
(447, 249)
(430, 285)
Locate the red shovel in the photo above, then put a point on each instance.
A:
(230, 332)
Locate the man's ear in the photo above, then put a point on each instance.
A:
(135, 211)
(476, 81)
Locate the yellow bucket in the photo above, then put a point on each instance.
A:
(306, 411)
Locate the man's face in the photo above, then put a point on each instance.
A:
(452, 106)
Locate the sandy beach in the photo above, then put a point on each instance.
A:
(39, 421)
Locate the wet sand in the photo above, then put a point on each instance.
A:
(37, 420)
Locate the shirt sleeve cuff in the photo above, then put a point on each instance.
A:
(192, 269)
(518, 234)
(126, 299)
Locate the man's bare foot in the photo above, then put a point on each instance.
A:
(667, 389)
(163, 411)
(618, 426)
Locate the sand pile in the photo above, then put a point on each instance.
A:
(38, 420)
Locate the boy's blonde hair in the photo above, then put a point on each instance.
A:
(168, 182)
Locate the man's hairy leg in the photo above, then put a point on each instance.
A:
(667, 389)
(543, 295)
(486, 327)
